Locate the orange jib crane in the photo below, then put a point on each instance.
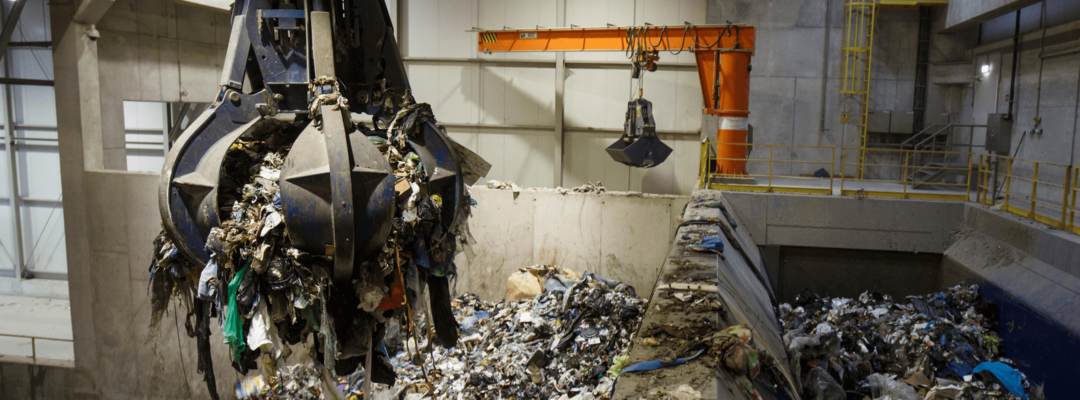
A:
(722, 53)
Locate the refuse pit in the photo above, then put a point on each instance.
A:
(939, 346)
(568, 340)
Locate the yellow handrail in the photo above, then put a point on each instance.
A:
(747, 182)
(1041, 176)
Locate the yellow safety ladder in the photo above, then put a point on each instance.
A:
(855, 72)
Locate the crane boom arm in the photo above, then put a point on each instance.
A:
(722, 54)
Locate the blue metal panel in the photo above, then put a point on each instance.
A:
(1045, 350)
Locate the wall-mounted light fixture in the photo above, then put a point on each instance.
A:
(985, 69)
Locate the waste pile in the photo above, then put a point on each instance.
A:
(938, 346)
(508, 185)
(588, 187)
(267, 294)
(568, 342)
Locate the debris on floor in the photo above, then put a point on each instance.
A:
(939, 346)
(565, 343)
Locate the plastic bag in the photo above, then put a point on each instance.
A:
(234, 326)
(822, 386)
(884, 388)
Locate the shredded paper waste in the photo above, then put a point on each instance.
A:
(939, 346)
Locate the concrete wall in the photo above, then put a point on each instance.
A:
(121, 227)
(795, 82)
(156, 50)
(508, 106)
(110, 216)
(828, 272)
(1046, 94)
(619, 236)
(967, 13)
(847, 222)
(29, 382)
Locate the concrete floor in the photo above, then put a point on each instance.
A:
(37, 317)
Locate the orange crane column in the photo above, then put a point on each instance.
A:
(731, 102)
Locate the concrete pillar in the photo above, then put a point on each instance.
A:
(80, 147)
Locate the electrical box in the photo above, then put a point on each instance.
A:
(845, 117)
(999, 133)
(878, 121)
(902, 121)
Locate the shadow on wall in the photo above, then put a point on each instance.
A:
(512, 94)
(848, 272)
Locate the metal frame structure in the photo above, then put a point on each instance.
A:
(12, 143)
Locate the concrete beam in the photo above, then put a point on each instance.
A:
(91, 11)
(951, 74)
(844, 222)
(967, 13)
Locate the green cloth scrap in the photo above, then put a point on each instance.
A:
(617, 366)
(234, 325)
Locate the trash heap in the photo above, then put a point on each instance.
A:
(568, 342)
(588, 187)
(939, 346)
(269, 296)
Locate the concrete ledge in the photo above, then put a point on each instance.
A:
(844, 222)
(1040, 285)
(42, 288)
(1054, 247)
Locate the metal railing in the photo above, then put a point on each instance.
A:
(940, 137)
(1037, 190)
(33, 351)
(774, 181)
(1073, 189)
(1041, 191)
(903, 186)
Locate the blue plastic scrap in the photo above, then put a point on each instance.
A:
(653, 365)
(709, 243)
(1008, 376)
(208, 273)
